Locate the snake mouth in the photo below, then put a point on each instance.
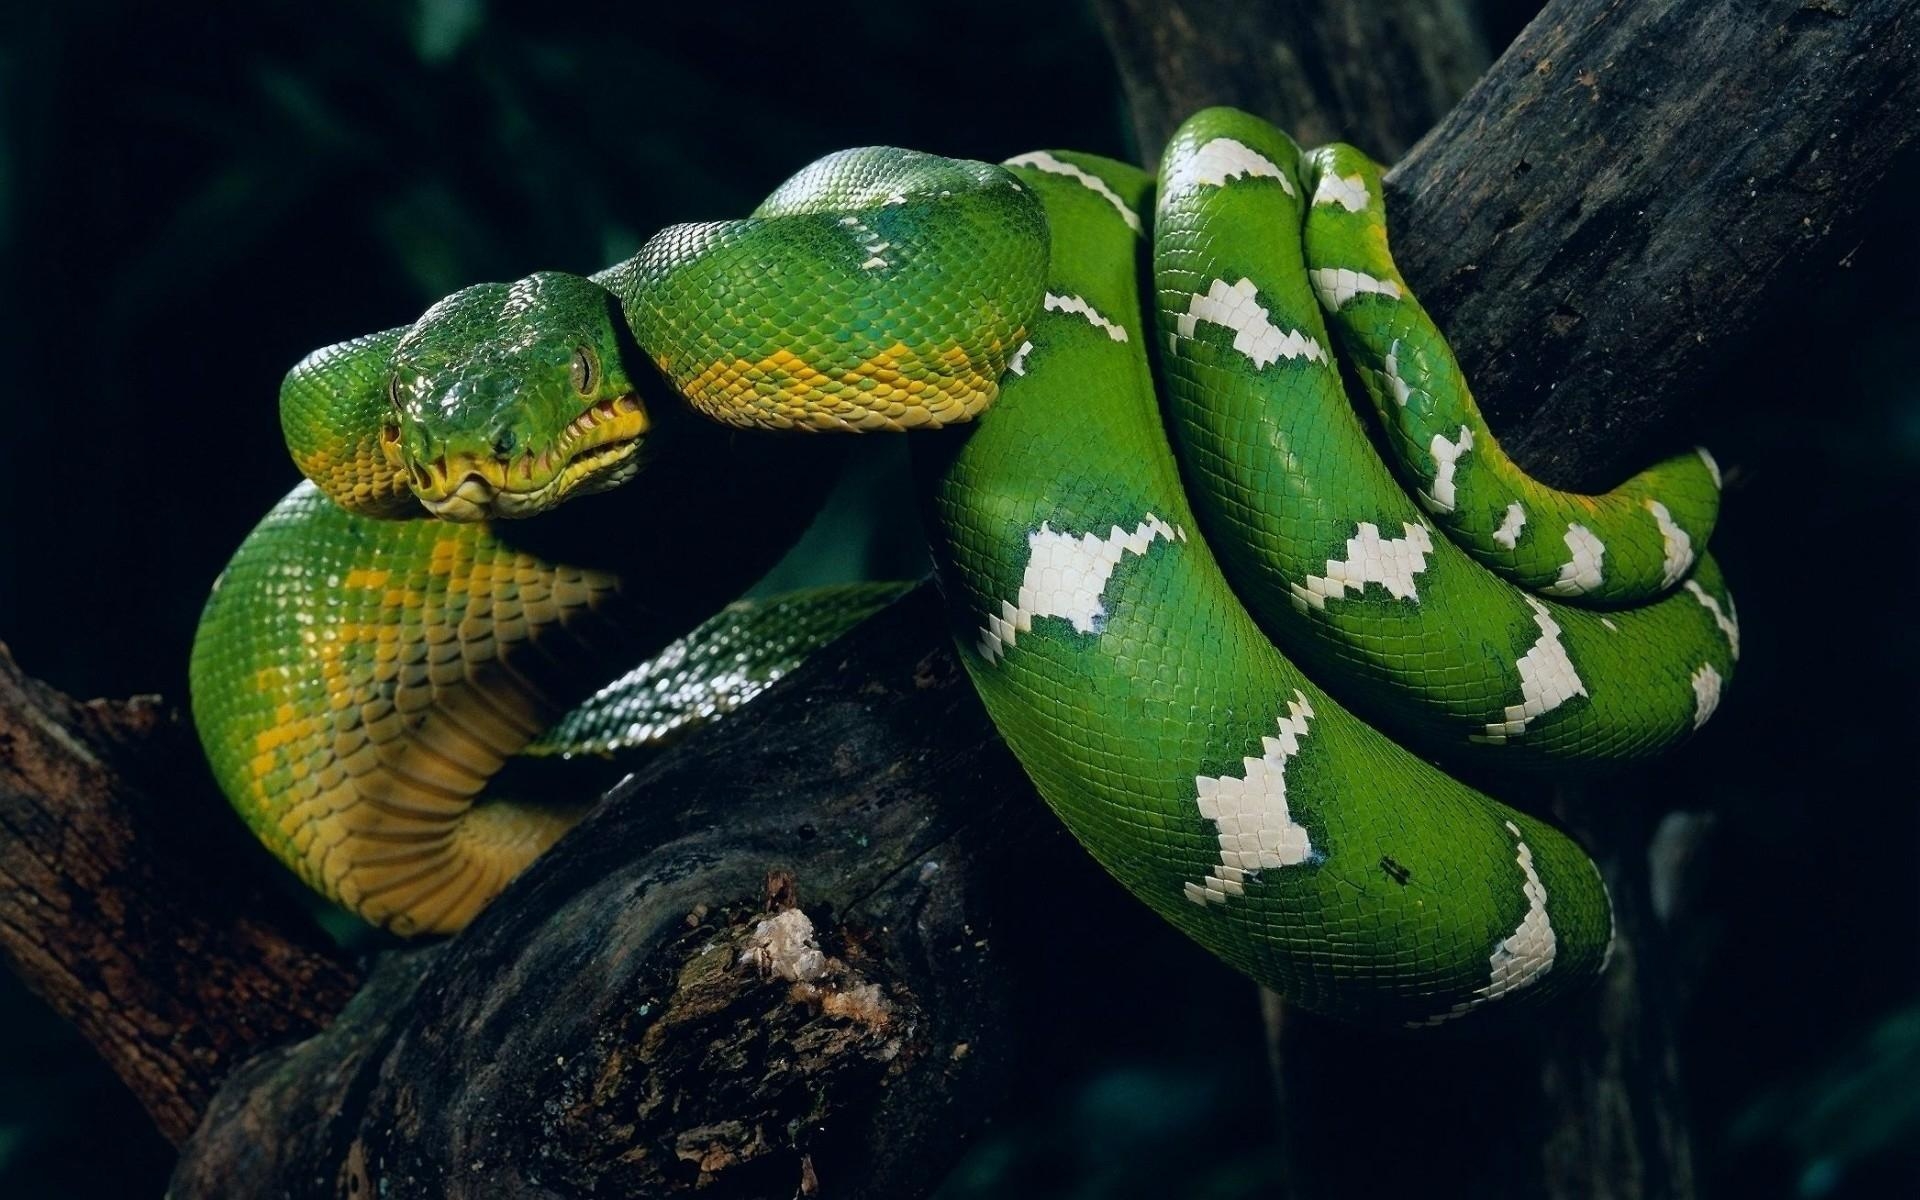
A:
(599, 450)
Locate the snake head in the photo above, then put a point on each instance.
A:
(509, 397)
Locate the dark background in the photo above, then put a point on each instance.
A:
(193, 196)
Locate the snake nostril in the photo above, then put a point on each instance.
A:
(504, 443)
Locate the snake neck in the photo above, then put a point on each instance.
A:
(654, 529)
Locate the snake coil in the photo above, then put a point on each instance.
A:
(1132, 570)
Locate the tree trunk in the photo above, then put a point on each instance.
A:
(793, 956)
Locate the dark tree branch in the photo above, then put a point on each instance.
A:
(1378, 74)
(1605, 219)
(621, 1020)
(624, 1020)
(127, 904)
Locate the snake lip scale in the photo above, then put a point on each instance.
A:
(1228, 621)
(599, 450)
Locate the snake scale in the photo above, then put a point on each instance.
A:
(1193, 594)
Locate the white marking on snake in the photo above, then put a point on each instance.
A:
(1074, 304)
(1348, 191)
(1400, 389)
(1608, 622)
(1018, 364)
(1613, 926)
(1713, 468)
(1250, 812)
(1446, 458)
(1523, 956)
(1583, 572)
(1547, 680)
(1254, 335)
(1706, 693)
(1040, 160)
(1066, 576)
(1676, 546)
(1728, 621)
(1222, 160)
(1390, 562)
(1508, 534)
(870, 242)
(1336, 286)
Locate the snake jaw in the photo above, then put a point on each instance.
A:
(600, 449)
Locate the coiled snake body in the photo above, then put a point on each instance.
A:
(1132, 620)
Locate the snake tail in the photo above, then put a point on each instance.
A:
(1622, 547)
(1327, 549)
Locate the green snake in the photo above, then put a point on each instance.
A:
(1165, 509)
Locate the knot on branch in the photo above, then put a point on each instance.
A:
(734, 1057)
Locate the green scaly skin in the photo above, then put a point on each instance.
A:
(731, 658)
(902, 282)
(1327, 550)
(363, 671)
(1624, 547)
(1362, 881)
(884, 289)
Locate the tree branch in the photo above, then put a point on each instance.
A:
(625, 1021)
(1610, 213)
(127, 904)
(1377, 74)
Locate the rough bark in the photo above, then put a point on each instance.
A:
(1613, 209)
(126, 902)
(1627, 192)
(625, 1021)
(1677, 167)
(1377, 74)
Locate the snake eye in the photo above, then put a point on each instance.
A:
(393, 392)
(583, 372)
